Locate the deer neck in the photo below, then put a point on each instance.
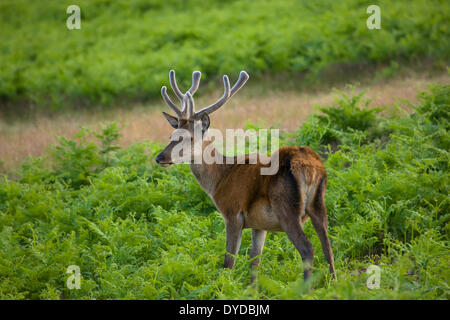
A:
(210, 175)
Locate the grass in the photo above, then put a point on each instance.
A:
(123, 50)
(137, 230)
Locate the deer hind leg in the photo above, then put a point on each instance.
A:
(290, 207)
(258, 239)
(318, 214)
(292, 226)
(234, 225)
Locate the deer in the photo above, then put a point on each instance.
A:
(280, 202)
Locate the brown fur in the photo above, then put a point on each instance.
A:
(249, 190)
(279, 202)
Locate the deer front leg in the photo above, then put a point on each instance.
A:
(234, 226)
(258, 239)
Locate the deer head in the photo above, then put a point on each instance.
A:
(187, 121)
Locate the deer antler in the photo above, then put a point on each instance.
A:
(169, 102)
(227, 94)
(187, 102)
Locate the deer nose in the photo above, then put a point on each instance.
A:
(158, 159)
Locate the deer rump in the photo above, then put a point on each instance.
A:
(300, 184)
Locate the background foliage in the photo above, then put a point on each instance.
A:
(141, 231)
(125, 48)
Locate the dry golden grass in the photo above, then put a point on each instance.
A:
(285, 108)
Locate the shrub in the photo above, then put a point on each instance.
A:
(124, 49)
(140, 231)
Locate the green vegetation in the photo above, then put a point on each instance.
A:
(125, 48)
(140, 231)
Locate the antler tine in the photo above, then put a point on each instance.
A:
(195, 82)
(173, 83)
(169, 102)
(190, 105)
(220, 102)
(243, 77)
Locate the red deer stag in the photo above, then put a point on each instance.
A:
(246, 199)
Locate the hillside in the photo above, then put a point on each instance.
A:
(124, 49)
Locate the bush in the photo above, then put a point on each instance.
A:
(124, 49)
(140, 231)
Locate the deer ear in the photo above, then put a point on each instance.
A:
(205, 122)
(172, 120)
